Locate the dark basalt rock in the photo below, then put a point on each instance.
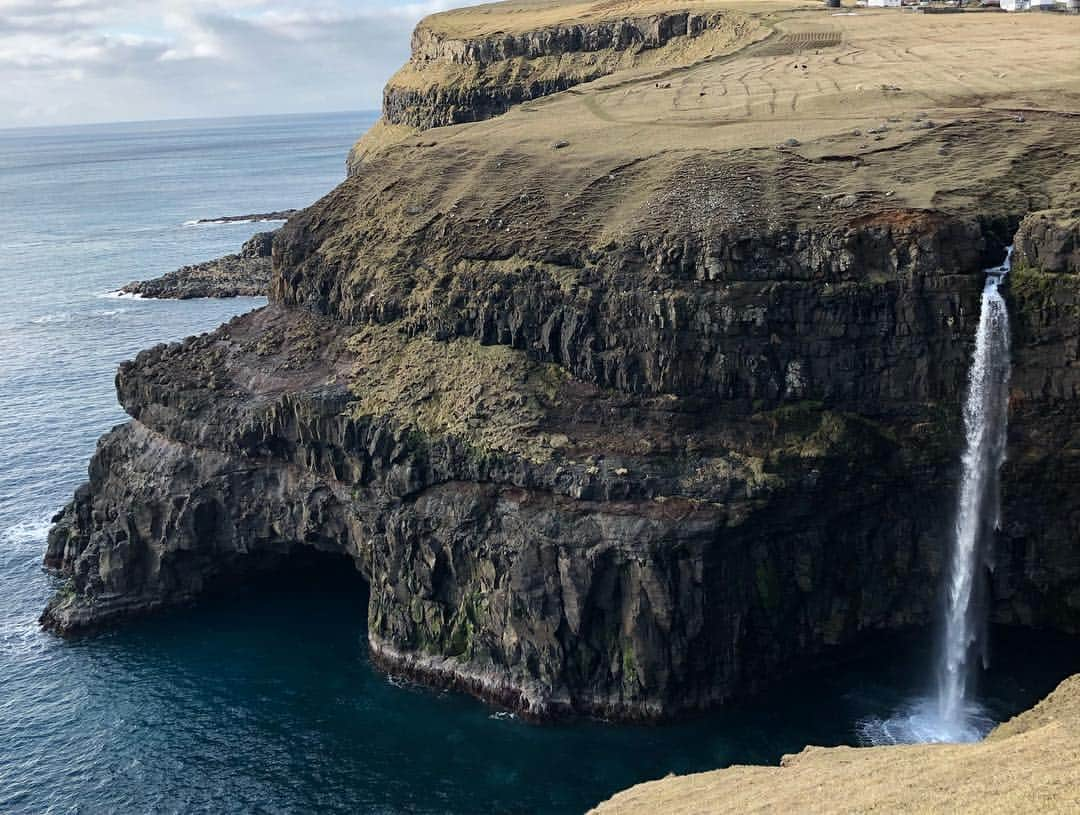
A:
(652, 31)
(245, 274)
(1050, 241)
(634, 584)
(444, 106)
(668, 555)
(258, 217)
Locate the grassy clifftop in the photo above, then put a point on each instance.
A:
(530, 15)
(1029, 764)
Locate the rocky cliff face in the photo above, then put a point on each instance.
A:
(1050, 241)
(608, 541)
(626, 428)
(1042, 505)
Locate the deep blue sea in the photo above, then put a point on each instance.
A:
(266, 702)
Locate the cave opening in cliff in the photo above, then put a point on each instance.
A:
(302, 577)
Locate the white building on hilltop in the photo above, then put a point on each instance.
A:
(883, 3)
(1026, 5)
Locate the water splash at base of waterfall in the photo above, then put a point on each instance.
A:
(920, 722)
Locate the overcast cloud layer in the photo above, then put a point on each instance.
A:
(72, 61)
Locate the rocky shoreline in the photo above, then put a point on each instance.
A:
(244, 274)
(635, 430)
(255, 218)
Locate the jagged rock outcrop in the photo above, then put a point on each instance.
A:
(1042, 526)
(546, 571)
(251, 217)
(245, 274)
(1050, 241)
(541, 540)
(629, 427)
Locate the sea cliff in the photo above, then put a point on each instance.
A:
(637, 396)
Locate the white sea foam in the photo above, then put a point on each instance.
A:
(120, 294)
(26, 532)
(61, 317)
(57, 317)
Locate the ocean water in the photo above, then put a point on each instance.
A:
(265, 701)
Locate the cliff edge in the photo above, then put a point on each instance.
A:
(620, 400)
(476, 63)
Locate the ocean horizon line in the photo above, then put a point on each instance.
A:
(181, 120)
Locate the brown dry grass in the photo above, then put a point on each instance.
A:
(737, 30)
(1029, 765)
(945, 92)
(529, 15)
(823, 75)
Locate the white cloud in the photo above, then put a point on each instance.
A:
(99, 60)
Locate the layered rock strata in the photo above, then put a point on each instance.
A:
(471, 70)
(631, 427)
(451, 80)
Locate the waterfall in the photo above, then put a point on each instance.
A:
(978, 511)
(951, 714)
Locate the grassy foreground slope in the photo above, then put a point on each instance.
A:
(1029, 764)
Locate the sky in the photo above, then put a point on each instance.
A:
(80, 61)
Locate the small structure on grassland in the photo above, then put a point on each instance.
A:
(1028, 5)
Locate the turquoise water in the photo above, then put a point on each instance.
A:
(264, 701)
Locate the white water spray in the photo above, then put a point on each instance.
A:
(978, 511)
(952, 715)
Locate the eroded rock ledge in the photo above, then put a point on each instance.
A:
(244, 274)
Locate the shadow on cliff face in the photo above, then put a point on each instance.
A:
(303, 571)
(269, 599)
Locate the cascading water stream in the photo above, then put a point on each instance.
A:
(978, 511)
(951, 714)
